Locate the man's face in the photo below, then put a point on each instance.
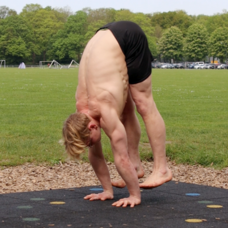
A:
(95, 136)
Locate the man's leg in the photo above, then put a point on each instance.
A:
(132, 127)
(155, 126)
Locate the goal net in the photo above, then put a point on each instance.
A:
(2, 63)
(73, 64)
(50, 64)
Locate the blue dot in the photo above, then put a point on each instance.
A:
(205, 201)
(31, 219)
(192, 194)
(96, 189)
(37, 199)
(24, 207)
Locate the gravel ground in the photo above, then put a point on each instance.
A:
(30, 177)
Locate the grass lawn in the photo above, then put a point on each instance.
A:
(35, 102)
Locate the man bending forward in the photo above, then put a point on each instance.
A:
(115, 75)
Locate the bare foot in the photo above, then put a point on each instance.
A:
(121, 183)
(157, 179)
(118, 183)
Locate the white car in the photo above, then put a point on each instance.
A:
(164, 66)
(203, 66)
(198, 65)
(222, 66)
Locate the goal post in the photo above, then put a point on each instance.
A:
(55, 64)
(50, 64)
(73, 64)
(2, 63)
(44, 64)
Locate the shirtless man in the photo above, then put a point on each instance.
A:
(115, 75)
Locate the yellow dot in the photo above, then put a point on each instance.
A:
(194, 220)
(57, 202)
(214, 206)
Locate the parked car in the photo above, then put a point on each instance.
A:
(164, 66)
(170, 66)
(203, 66)
(191, 65)
(158, 65)
(181, 65)
(222, 66)
(198, 65)
(178, 65)
(210, 66)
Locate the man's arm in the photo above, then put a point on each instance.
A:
(115, 130)
(100, 167)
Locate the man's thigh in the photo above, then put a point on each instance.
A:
(142, 90)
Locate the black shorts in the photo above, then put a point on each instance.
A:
(134, 45)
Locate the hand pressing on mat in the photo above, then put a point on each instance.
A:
(99, 196)
(131, 200)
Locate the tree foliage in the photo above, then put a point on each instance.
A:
(196, 45)
(218, 43)
(69, 42)
(171, 44)
(178, 18)
(15, 37)
(48, 33)
(6, 12)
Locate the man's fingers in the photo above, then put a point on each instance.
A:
(87, 197)
(120, 203)
(99, 196)
(117, 204)
(90, 196)
(125, 203)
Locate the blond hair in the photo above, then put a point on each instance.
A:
(75, 134)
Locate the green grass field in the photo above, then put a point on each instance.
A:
(35, 102)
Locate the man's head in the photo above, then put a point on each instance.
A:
(79, 132)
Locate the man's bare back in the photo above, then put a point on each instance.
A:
(102, 75)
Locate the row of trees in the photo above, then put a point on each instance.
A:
(196, 45)
(56, 33)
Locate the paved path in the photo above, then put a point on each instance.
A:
(172, 205)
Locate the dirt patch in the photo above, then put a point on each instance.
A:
(30, 177)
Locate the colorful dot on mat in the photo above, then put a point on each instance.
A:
(24, 207)
(214, 206)
(37, 199)
(57, 202)
(194, 220)
(205, 201)
(96, 189)
(31, 219)
(192, 194)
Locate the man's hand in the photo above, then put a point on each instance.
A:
(132, 201)
(100, 196)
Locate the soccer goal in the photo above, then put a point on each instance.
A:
(50, 64)
(2, 63)
(73, 64)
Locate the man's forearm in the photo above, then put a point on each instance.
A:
(124, 165)
(100, 167)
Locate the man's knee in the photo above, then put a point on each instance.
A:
(145, 106)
